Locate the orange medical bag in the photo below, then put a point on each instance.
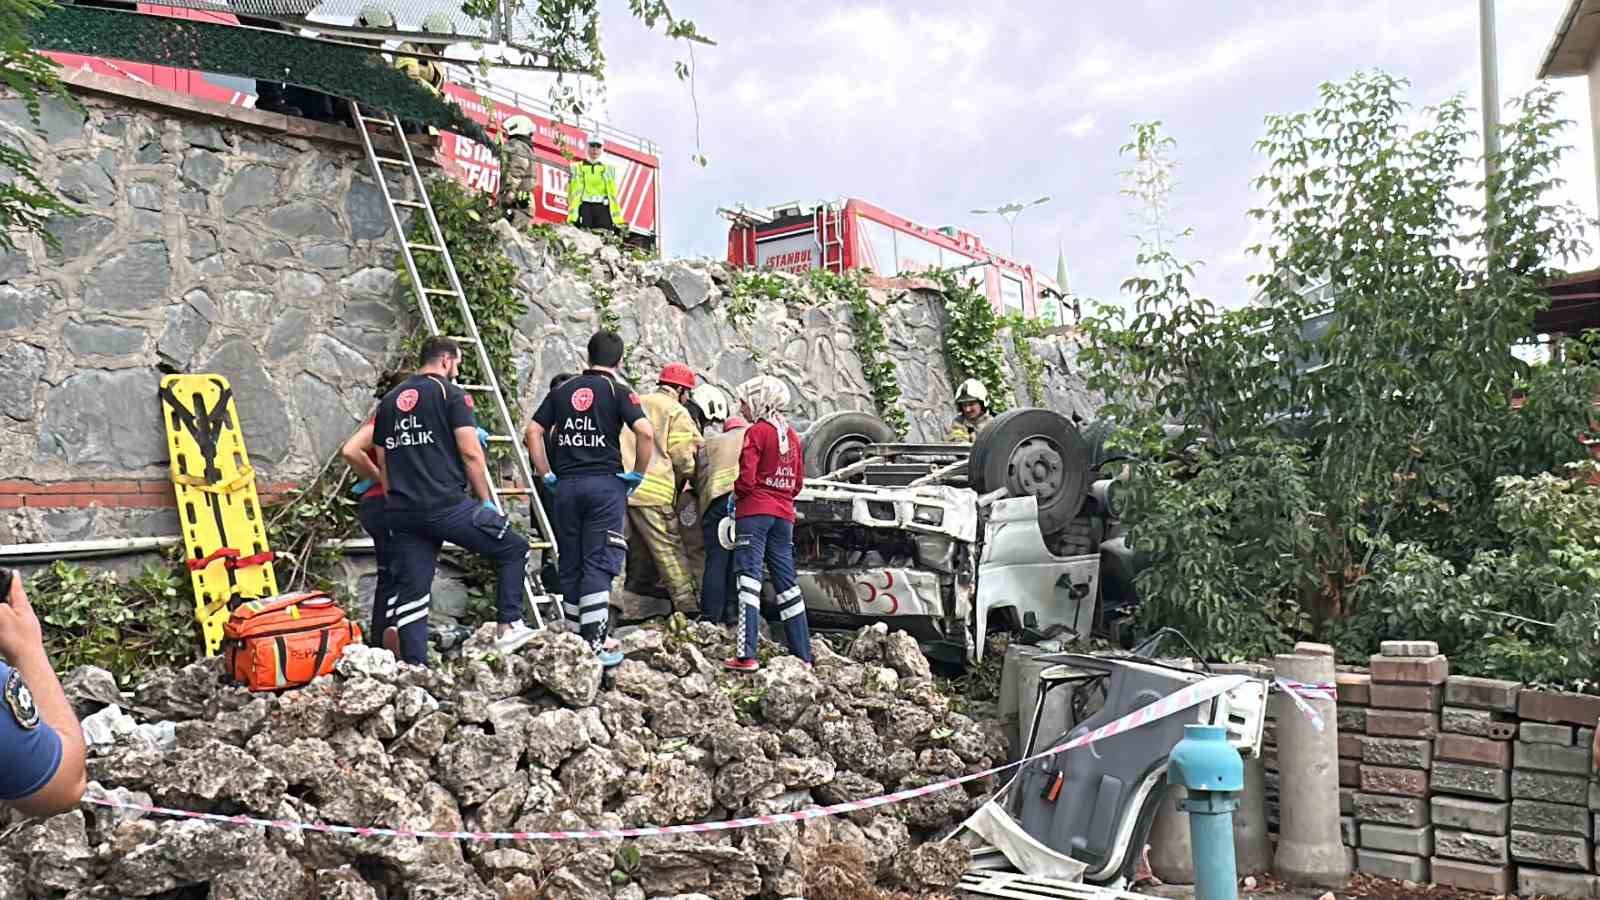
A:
(286, 641)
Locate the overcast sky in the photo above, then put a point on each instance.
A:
(933, 108)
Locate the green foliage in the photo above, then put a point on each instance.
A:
(487, 276)
(1393, 420)
(972, 338)
(26, 203)
(1023, 329)
(93, 618)
(300, 522)
(353, 72)
(871, 340)
(750, 287)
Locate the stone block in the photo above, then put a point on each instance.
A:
(1409, 669)
(1481, 816)
(1545, 883)
(1426, 697)
(1559, 706)
(1559, 851)
(1558, 818)
(1471, 876)
(1352, 719)
(1312, 648)
(1477, 722)
(1482, 693)
(1469, 781)
(1553, 758)
(1397, 866)
(1409, 648)
(1544, 733)
(1389, 810)
(1401, 723)
(1348, 833)
(1350, 746)
(1392, 780)
(1350, 773)
(1347, 801)
(1547, 786)
(1396, 752)
(1354, 688)
(1398, 839)
(1464, 748)
(1465, 845)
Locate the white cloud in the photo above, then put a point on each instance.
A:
(1081, 127)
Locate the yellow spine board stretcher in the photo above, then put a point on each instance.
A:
(224, 536)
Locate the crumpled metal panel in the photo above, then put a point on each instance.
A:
(1017, 571)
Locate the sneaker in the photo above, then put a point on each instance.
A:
(741, 665)
(609, 658)
(518, 634)
(391, 641)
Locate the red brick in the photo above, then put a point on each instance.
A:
(11, 501)
(1390, 780)
(1350, 746)
(142, 501)
(64, 487)
(1559, 706)
(1401, 723)
(1472, 876)
(1476, 750)
(17, 487)
(155, 487)
(1354, 688)
(1349, 773)
(70, 501)
(1409, 669)
(1425, 697)
(115, 487)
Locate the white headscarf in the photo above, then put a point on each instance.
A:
(766, 397)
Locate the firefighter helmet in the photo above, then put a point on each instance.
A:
(374, 16)
(438, 23)
(678, 375)
(519, 126)
(712, 401)
(973, 391)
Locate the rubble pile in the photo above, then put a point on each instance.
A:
(541, 740)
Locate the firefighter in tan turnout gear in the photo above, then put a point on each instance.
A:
(972, 411)
(517, 171)
(651, 519)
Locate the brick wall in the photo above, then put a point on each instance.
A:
(107, 494)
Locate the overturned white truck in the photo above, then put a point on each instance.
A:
(1016, 532)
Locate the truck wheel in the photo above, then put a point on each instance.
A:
(1033, 452)
(838, 439)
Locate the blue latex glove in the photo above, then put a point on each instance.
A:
(730, 504)
(632, 480)
(490, 506)
(550, 480)
(362, 486)
(483, 438)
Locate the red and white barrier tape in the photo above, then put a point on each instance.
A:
(1194, 694)
(1298, 691)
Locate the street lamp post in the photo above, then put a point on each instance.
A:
(1009, 212)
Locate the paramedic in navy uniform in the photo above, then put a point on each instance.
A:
(41, 745)
(428, 453)
(584, 418)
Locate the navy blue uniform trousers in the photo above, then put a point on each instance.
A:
(769, 540)
(589, 510)
(415, 538)
(717, 586)
(385, 594)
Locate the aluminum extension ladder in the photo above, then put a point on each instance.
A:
(544, 539)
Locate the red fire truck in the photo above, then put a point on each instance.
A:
(635, 159)
(854, 234)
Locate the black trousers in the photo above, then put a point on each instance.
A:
(595, 216)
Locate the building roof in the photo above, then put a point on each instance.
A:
(1573, 305)
(1577, 35)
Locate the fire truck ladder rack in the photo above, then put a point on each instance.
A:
(543, 540)
(830, 236)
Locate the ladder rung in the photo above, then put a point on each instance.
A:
(432, 248)
(475, 387)
(501, 439)
(514, 491)
(540, 545)
(386, 123)
(409, 203)
(442, 292)
(462, 339)
(391, 161)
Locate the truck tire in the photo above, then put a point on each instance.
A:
(838, 439)
(1033, 452)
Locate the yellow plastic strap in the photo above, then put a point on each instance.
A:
(294, 612)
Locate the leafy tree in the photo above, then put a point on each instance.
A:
(1367, 391)
(26, 203)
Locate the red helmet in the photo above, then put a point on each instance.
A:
(677, 375)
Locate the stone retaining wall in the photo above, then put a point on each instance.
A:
(1470, 782)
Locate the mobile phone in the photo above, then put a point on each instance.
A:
(6, 577)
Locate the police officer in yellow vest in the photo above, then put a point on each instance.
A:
(592, 199)
(517, 172)
(650, 508)
(716, 469)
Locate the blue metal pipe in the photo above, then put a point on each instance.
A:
(1210, 767)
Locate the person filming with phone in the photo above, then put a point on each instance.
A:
(41, 746)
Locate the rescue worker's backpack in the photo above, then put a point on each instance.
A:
(286, 641)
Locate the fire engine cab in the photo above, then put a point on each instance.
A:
(854, 234)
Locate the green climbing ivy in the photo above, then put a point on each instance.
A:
(872, 341)
(487, 276)
(355, 73)
(972, 339)
(750, 287)
(1022, 329)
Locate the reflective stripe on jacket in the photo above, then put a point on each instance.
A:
(517, 172)
(426, 72)
(593, 182)
(676, 442)
(717, 467)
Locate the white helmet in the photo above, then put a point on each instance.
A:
(727, 533)
(518, 126)
(711, 400)
(972, 390)
(438, 23)
(374, 16)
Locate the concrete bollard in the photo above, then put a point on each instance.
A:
(1252, 844)
(1171, 850)
(1310, 847)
